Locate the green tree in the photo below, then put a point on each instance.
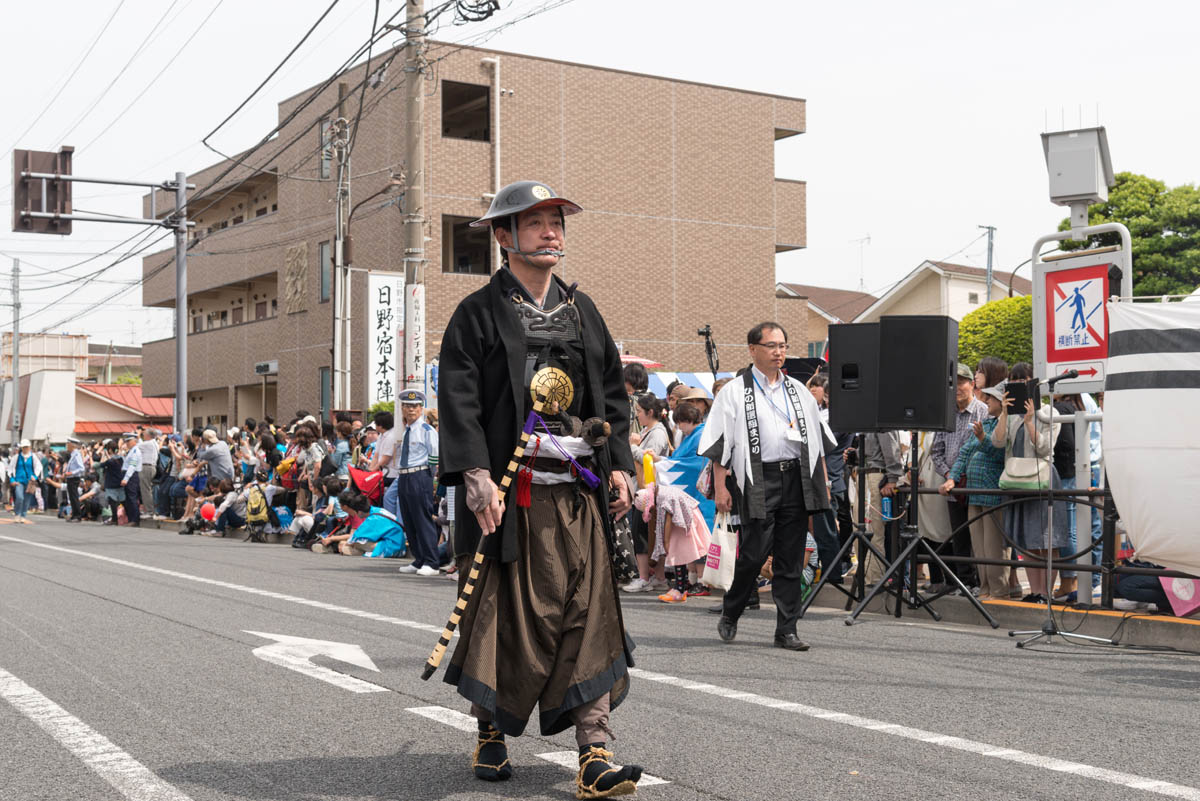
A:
(1164, 225)
(128, 378)
(1002, 328)
(381, 406)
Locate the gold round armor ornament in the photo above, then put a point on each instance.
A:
(540, 192)
(554, 384)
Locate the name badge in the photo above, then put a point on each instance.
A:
(793, 435)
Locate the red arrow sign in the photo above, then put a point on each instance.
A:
(1090, 371)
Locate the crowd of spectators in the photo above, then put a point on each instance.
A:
(302, 473)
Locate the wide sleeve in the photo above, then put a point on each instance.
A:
(459, 401)
(616, 403)
(716, 442)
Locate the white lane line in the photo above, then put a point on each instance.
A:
(567, 759)
(279, 596)
(1076, 768)
(129, 777)
(1129, 780)
(570, 761)
(450, 717)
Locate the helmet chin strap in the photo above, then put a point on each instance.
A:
(527, 253)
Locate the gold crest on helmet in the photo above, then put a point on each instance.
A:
(540, 192)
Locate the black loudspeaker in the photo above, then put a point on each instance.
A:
(918, 360)
(854, 377)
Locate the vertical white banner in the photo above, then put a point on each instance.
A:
(414, 336)
(385, 317)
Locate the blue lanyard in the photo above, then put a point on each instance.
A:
(787, 416)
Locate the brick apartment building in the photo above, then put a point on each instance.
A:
(684, 216)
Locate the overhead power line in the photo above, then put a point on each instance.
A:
(156, 77)
(108, 87)
(70, 77)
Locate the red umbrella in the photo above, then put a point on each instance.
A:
(630, 359)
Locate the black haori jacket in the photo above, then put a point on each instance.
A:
(482, 398)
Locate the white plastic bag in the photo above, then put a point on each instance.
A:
(722, 554)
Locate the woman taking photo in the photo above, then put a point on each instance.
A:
(1026, 524)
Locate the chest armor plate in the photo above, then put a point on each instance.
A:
(554, 358)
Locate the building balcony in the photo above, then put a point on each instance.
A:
(791, 215)
(217, 357)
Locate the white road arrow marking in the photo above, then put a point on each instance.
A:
(294, 653)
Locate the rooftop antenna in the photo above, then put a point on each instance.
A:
(862, 278)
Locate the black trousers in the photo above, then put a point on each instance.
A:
(133, 499)
(958, 545)
(73, 497)
(782, 534)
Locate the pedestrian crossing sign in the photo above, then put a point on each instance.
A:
(1077, 320)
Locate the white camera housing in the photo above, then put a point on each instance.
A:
(1079, 168)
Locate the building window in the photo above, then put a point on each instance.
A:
(261, 212)
(238, 314)
(973, 298)
(465, 249)
(238, 220)
(326, 148)
(260, 310)
(816, 349)
(326, 389)
(466, 111)
(326, 260)
(197, 422)
(197, 324)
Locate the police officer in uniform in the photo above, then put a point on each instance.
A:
(415, 458)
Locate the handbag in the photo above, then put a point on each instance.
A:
(722, 554)
(620, 551)
(1024, 472)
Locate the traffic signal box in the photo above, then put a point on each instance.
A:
(38, 195)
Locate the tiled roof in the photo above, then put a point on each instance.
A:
(92, 428)
(1019, 284)
(844, 304)
(130, 396)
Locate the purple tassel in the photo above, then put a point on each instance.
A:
(588, 476)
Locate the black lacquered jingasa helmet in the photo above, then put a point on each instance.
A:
(523, 196)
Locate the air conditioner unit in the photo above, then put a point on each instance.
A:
(267, 368)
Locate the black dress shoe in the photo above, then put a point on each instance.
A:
(727, 628)
(719, 607)
(791, 642)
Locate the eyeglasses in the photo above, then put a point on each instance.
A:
(779, 346)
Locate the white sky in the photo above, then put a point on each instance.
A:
(923, 117)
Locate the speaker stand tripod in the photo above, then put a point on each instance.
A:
(859, 537)
(1050, 625)
(907, 557)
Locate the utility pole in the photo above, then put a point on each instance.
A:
(414, 200)
(991, 229)
(42, 204)
(340, 130)
(180, 223)
(16, 355)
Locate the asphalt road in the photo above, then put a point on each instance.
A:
(127, 672)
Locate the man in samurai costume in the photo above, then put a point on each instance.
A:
(543, 625)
